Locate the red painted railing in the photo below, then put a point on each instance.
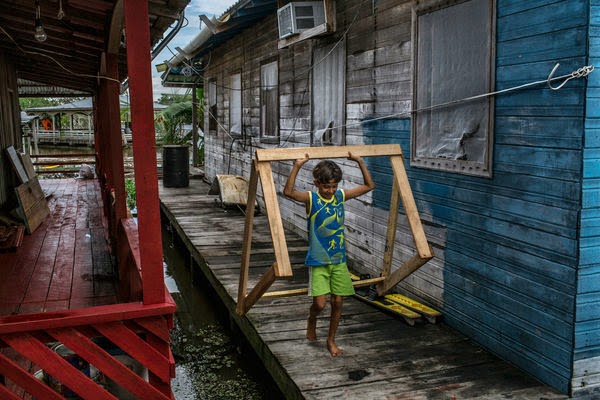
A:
(141, 332)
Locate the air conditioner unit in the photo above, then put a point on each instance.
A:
(299, 16)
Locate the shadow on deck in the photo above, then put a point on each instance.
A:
(383, 356)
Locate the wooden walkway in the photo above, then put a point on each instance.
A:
(384, 358)
(65, 263)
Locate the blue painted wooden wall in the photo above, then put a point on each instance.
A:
(586, 359)
(513, 274)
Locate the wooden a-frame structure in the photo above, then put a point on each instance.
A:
(281, 268)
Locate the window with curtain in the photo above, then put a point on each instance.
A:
(235, 104)
(269, 102)
(454, 60)
(328, 90)
(212, 105)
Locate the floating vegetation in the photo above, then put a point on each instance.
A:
(207, 356)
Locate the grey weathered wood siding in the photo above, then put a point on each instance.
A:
(516, 264)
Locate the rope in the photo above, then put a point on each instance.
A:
(579, 73)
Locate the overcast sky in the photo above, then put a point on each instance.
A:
(186, 34)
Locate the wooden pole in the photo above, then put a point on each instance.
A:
(144, 150)
(113, 125)
(194, 126)
(259, 289)
(246, 246)
(410, 208)
(283, 266)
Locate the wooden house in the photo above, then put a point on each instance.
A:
(501, 156)
(84, 48)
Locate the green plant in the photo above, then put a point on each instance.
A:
(170, 121)
(130, 189)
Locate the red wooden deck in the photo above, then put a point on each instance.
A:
(61, 285)
(66, 262)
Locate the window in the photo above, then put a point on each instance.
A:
(328, 91)
(235, 104)
(454, 60)
(212, 105)
(269, 102)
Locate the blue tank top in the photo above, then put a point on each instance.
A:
(325, 223)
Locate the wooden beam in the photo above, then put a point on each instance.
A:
(410, 208)
(390, 237)
(410, 266)
(294, 153)
(144, 150)
(247, 244)
(259, 289)
(295, 292)
(283, 267)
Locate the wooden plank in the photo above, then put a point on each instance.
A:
(75, 317)
(294, 292)
(390, 237)
(294, 153)
(17, 164)
(109, 366)
(282, 266)
(133, 345)
(28, 166)
(55, 365)
(23, 379)
(407, 268)
(33, 204)
(246, 246)
(410, 207)
(259, 289)
(157, 326)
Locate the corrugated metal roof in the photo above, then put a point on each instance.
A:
(71, 55)
(238, 17)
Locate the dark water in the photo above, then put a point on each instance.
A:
(212, 363)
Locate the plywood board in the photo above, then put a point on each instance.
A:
(33, 204)
(15, 160)
(28, 166)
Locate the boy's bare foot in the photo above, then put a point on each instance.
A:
(333, 349)
(311, 329)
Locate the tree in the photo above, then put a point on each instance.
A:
(170, 123)
(173, 98)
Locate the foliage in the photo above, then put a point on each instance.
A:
(31, 102)
(170, 121)
(168, 99)
(130, 189)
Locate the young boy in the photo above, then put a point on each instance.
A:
(326, 257)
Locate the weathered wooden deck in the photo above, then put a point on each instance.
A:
(65, 263)
(384, 358)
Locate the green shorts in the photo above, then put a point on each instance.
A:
(333, 278)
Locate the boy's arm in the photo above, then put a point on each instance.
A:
(368, 184)
(289, 191)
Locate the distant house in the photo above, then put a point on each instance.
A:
(507, 185)
(47, 125)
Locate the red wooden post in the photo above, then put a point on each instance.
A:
(144, 149)
(113, 124)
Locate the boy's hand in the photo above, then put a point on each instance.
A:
(353, 157)
(301, 161)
